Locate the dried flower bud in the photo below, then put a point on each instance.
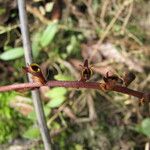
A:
(86, 72)
(128, 78)
(112, 80)
(36, 72)
(144, 99)
(56, 13)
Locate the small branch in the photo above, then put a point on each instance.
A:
(74, 84)
(128, 91)
(103, 12)
(38, 14)
(19, 87)
(126, 20)
(109, 27)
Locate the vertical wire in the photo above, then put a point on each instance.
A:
(28, 59)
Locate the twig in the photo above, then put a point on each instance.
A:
(131, 35)
(38, 14)
(109, 27)
(103, 11)
(8, 28)
(127, 18)
(57, 113)
(92, 112)
(73, 84)
(35, 93)
(91, 13)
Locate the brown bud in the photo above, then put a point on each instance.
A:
(146, 97)
(86, 71)
(113, 78)
(56, 13)
(128, 78)
(36, 72)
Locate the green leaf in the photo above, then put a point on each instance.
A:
(32, 116)
(2, 11)
(144, 127)
(57, 92)
(78, 147)
(49, 34)
(117, 28)
(49, 6)
(57, 96)
(62, 77)
(36, 46)
(47, 111)
(56, 102)
(32, 133)
(73, 45)
(12, 54)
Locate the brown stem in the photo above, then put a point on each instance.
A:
(128, 91)
(74, 84)
(20, 86)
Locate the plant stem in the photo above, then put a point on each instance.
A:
(74, 84)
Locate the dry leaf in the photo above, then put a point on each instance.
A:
(22, 105)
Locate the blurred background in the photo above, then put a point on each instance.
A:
(114, 35)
